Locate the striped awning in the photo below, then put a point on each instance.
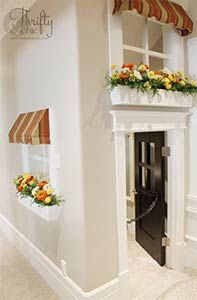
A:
(163, 10)
(31, 128)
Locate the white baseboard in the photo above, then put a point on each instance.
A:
(191, 204)
(61, 284)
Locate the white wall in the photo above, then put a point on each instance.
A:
(191, 201)
(191, 206)
(66, 73)
(97, 141)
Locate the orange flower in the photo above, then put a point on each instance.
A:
(147, 67)
(157, 73)
(129, 66)
(20, 179)
(29, 179)
(19, 188)
(41, 195)
(124, 76)
(42, 183)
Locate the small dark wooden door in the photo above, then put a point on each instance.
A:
(149, 182)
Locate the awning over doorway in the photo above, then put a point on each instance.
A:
(163, 10)
(31, 128)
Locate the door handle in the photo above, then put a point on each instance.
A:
(135, 192)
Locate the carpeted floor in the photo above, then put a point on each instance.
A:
(149, 281)
(18, 279)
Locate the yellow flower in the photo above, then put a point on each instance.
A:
(193, 82)
(24, 186)
(171, 77)
(31, 182)
(151, 74)
(142, 68)
(113, 66)
(47, 200)
(26, 175)
(182, 83)
(166, 80)
(168, 86)
(115, 76)
(180, 73)
(147, 85)
(49, 191)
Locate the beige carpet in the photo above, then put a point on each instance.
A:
(149, 281)
(18, 279)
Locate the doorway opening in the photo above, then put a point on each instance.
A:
(146, 186)
(139, 120)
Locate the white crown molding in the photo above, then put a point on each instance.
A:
(64, 286)
(135, 121)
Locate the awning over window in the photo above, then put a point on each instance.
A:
(163, 10)
(31, 128)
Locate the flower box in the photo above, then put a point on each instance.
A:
(48, 213)
(123, 95)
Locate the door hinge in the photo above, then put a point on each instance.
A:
(165, 241)
(165, 151)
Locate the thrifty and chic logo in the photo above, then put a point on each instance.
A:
(23, 25)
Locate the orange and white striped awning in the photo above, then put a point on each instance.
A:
(31, 128)
(163, 10)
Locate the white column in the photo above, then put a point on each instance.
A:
(25, 158)
(192, 61)
(115, 36)
(176, 199)
(173, 46)
(120, 153)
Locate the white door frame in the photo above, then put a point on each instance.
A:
(174, 123)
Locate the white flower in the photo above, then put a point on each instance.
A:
(46, 187)
(137, 75)
(35, 190)
(125, 70)
(167, 71)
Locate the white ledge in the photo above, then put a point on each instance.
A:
(139, 121)
(123, 95)
(48, 213)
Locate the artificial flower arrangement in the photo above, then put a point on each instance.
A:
(40, 191)
(144, 79)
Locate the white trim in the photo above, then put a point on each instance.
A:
(124, 95)
(144, 51)
(174, 123)
(64, 286)
(47, 213)
(191, 204)
(191, 238)
(25, 158)
(176, 199)
(115, 36)
(120, 155)
(41, 158)
(136, 121)
(54, 157)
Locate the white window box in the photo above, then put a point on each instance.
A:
(123, 95)
(48, 213)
